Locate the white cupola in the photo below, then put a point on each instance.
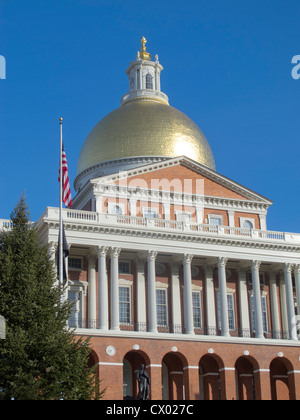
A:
(144, 78)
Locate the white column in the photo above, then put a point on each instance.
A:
(284, 317)
(259, 330)
(231, 218)
(152, 314)
(210, 301)
(176, 304)
(102, 289)
(297, 281)
(243, 303)
(223, 296)
(132, 206)
(290, 302)
(188, 296)
(52, 254)
(141, 296)
(114, 289)
(92, 312)
(274, 305)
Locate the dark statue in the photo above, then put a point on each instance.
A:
(144, 383)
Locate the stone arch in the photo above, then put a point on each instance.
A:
(93, 363)
(211, 378)
(247, 379)
(174, 376)
(131, 364)
(282, 379)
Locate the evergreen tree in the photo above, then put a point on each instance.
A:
(40, 359)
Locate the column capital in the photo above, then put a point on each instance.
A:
(297, 268)
(288, 267)
(187, 258)
(151, 255)
(255, 264)
(115, 252)
(102, 251)
(222, 261)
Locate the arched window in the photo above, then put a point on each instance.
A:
(149, 81)
(116, 210)
(247, 224)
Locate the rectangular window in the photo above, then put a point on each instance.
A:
(150, 213)
(264, 313)
(161, 307)
(183, 217)
(231, 311)
(75, 263)
(124, 267)
(197, 309)
(215, 220)
(261, 279)
(124, 305)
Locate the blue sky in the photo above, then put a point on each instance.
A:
(227, 65)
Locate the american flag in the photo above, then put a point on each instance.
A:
(66, 189)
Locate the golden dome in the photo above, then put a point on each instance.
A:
(144, 128)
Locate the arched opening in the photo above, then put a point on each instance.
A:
(173, 378)
(282, 379)
(211, 378)
(93, 363)
(247, 381)
(131, 364)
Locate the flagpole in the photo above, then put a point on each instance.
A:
(61, 273)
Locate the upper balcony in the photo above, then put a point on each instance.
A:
(162, 225)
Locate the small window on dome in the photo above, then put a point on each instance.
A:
(149, 81)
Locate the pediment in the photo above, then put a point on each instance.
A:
(185, 174)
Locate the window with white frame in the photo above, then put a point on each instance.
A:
(150, 213)
(161, 307)
(231, 311)
(216, 220)
(197, 309)
(75, 263)
(115, 208)
(149, 81)
(124, 304)
(184, 216)
(264, 313)
(247, 223)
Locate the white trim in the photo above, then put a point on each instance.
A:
(153, 365)
(127, 286)
(110, 364)
(191, 367)
(247, 219)
(215, 216)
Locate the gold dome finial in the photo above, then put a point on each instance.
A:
(144, 55)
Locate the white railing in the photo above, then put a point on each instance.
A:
(89, 217)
